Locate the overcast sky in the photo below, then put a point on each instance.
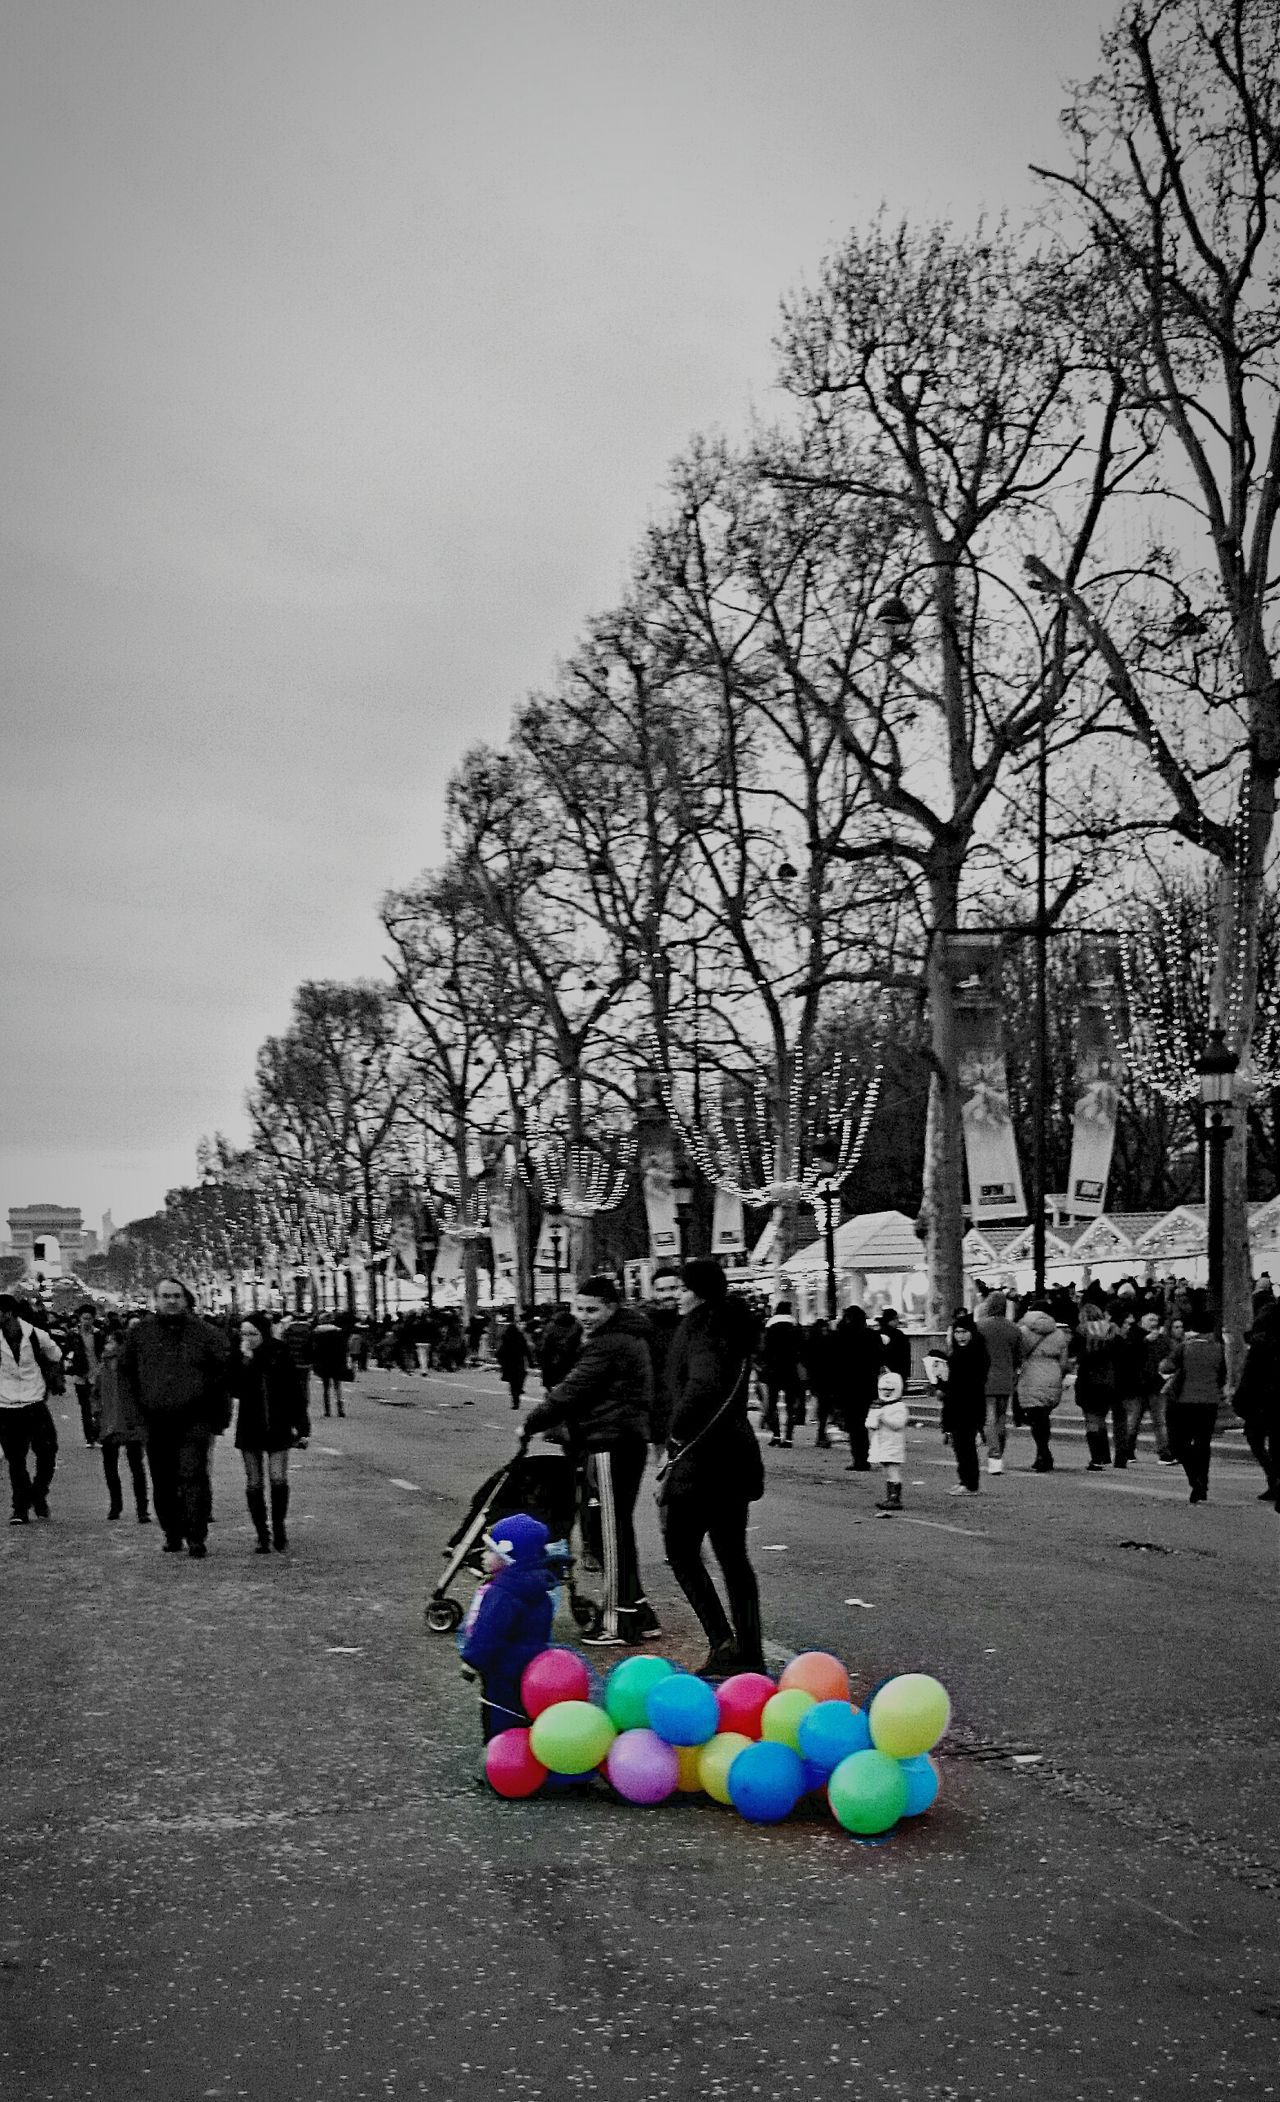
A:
(344, 351)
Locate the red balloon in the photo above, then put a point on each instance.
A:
(741, 1702)
(553, 1675)
(510, 1767)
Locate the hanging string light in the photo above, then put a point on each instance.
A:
(742, 1147)
(466, 1218)
(577, 1178)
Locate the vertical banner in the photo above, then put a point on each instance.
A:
(502, 1235)
(728, 1232)
(1099, 1072)
(657, 1169)
(990, 1146)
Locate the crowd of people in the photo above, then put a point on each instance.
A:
(676, 1377)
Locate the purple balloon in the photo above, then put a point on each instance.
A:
(642, 1767)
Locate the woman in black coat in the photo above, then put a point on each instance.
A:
(714, 1472)
(964, 1397)
(272, 1417)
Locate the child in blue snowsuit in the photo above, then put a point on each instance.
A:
(510, 1619)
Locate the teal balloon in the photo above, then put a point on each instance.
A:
(923, 1780)
(627, 1690)
(766, 1781)
(682, 1710)
(868, 1792)
(833, 1731)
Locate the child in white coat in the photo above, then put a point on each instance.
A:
(887, 1423)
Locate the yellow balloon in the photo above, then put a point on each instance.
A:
(715, 1757)
(909, 1715)
(783, 1715)
(690, 1781)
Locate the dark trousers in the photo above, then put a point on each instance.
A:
(1038, 1425)
(514, 1382)
(964, 1429)
(687, 1521)
(617, 1475)
(1190, 1438)
(1263, 1441)
(179, 1455)
(137, 1471)
(855, 1423)
(791, 1394)
(29, 1430)
(88, 1413)
(330, 1382)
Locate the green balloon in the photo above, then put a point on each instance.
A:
(571, 1737)
(867, 1792)
(627, 1690)
(909, 1715)
(782, 1716)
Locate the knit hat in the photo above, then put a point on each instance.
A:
(520, 1540)
(889, 1380)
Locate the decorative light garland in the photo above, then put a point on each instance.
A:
(576, 1177)
(739, 1148)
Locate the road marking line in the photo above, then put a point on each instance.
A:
(343, 1649)
(396, 1483)
(334, 1452)
(967, 1532)
(865, 1603)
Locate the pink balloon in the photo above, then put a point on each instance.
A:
(553, 1675)
(510, 1767)
(741, 1701)
(642, 1767)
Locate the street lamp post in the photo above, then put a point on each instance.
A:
(1217, 1071)
(828, 1152)
(555, 1226)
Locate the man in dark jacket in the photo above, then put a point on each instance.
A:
(175, 1366)
(782, 1373)
(663, 1312)
(858, 1362)
(604, 1404)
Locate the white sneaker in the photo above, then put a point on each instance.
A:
(995, 1466)
(959, 1490)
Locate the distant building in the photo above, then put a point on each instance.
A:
(48, 1237)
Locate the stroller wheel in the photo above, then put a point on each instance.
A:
(586, 1616)
(443, 1615)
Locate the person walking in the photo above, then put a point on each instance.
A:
(1197, 1375)
(963, 1365)
(175, 1367)
(895, 1347)
(1096, 1351)
(30, 1370)
(513, 1357)
(1146, 1388)
(559, 1346)
(328, 1361)
(83, 1355)
(270, 1420)
(1256, 1400)
(120, 1427)
(782, 1374)
(1046, 1346)
(604, 1403)
(1004, 1349)
(714, 1471)
(858, 1359)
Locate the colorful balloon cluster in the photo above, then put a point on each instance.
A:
(749, 1742)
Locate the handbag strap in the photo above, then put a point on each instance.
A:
(709, 1425)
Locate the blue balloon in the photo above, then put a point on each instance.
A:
(682, 1709)
(815, 1778)
(921, 1777)
(831, 1731)
(766, 1781)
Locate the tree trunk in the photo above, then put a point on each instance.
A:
(941, 1212)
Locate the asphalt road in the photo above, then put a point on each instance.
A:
(243, 1851)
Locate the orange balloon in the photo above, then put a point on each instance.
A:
(818, 1673)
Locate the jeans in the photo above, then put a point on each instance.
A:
(179, 1453)
(1190, 1438)
(22, 1431)
(688, 1519)
(1135, 1409)
(1095, 1429)
(791, 1393)
(88, 1413)
(997, 1425)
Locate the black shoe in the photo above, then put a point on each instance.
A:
(1198, 1496)
(144, 1518)
(721, 1661)
(18, 1518)
(775, 1440)
(197, 1550)
(280, 1543)
(173, 1544)
(819, 1442)
(264, 1545)
(115, 1514)
(40, 1505)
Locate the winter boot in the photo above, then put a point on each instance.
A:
(891, 1500)
(257, 1503)
(1099, 1450)
(279, 1507)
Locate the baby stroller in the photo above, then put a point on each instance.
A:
(543, 1484)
